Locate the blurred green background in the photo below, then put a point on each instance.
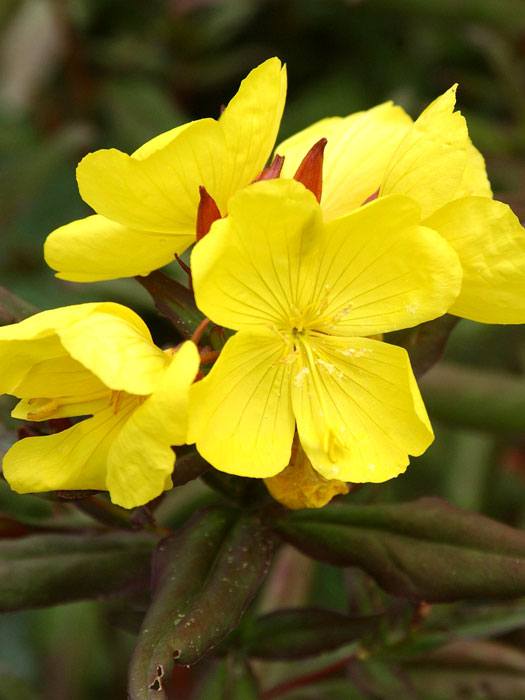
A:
(82, 74)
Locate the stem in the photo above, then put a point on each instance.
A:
(199, 331)
(307, 679)
(106, 513)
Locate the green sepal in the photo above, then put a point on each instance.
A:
(174, 301)
(206, 575)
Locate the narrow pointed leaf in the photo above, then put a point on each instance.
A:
(302, 632)
(421, 550)
(207, 574)
(42, 570)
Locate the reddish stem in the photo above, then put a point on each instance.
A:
(307, 679)
(199, 331)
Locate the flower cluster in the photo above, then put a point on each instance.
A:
(356, 227)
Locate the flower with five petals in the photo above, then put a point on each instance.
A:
(304, 297)
(95, 361)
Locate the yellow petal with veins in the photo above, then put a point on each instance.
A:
(358, 410)
(246, 270)
(140, 460)
(251, 121)
(430, 162)
(272, 263)
(116, 351)
(96, 248)
(160, 192)
(379, 271)
(358, 151)
(240, 414)
(490, 243)
(75, 458)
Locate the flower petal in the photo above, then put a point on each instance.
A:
(475, 179)
(429, 164)
(56, 377)
(246, 270)
(159, 192)
(141, 459)
(96, 248)
(159, 141)
(117, 350)
(379, 271)
(251, 121)
(240, 414)
(75, 458)
(108, 339)
(34, 340)
(358, 151)
(358, 410)
(46, 409)
(490, 243)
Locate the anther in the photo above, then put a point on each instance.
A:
(207, 213)
(310, 172)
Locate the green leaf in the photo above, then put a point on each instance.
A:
(302, 632)
(43, 570)
(209, 572)
(470, 670)
(425, 343)
(422, 550)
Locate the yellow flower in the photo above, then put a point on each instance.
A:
(304, 297)
(433, 161)
(95, 360)
(147, 203)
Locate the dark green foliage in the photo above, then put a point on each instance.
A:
(49, 569)
(424, 550)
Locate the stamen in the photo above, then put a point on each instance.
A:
(116, 398)
(46, 409)
(207, 213)
(273, 170)
(310, 172)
